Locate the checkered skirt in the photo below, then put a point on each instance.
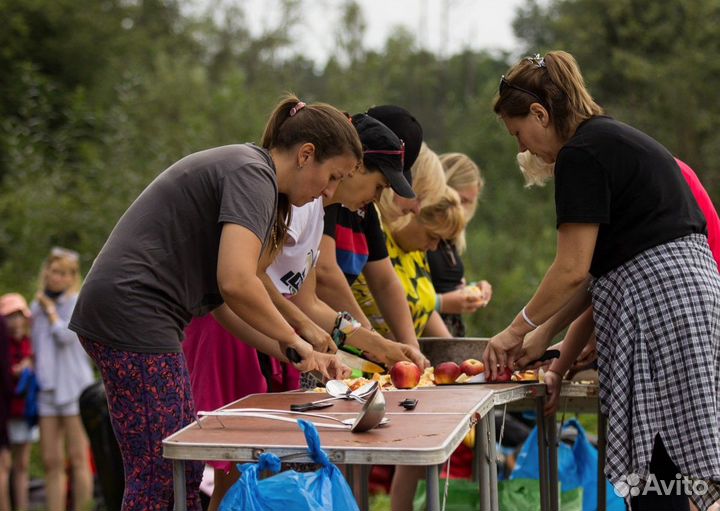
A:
(657, 320)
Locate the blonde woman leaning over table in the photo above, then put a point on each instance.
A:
(632, 243)
(455, 296)
(430, 187)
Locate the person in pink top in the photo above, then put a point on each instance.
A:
(707, 207)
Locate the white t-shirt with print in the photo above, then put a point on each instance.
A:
(300, 251)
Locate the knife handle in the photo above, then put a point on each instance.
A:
(304, 407)
(293, 356)
(548, 355)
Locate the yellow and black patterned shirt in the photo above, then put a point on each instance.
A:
(414, 272)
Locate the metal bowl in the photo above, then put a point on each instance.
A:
(452, 349)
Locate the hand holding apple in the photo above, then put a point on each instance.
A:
(502, 376)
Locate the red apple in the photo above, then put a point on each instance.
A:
(447, 372)
(405, 375)
(471, 367)
(503, 376)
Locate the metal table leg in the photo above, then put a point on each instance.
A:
(492, 460)
(477, 453)
(481, 441)
(357, 478)
(179, 490)
(433, 488)
(553, 477)
(602, 447)
(542, 453)
(363, 473)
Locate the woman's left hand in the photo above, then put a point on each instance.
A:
(47, 304)
(330, 366)
(317, 337)
(501, 352)
(393, 351)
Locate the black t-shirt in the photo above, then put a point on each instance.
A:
(446, 267)
(358, 236)
(158, 268)
(617, 176)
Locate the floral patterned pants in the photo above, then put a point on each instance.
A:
(149, 398)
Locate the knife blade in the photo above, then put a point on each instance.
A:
(356, 362)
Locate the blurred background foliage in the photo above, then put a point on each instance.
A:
(97, 97)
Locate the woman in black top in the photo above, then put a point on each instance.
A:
(631, 242)
(454, 296)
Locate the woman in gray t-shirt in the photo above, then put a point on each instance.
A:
(190, 245)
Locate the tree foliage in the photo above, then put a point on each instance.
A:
(97, 98)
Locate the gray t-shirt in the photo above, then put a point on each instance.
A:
(158, 268)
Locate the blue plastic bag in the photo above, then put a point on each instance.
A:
(577, 467)
(321, 490)
(27, 387)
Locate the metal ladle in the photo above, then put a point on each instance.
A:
(371, 415)
(266, 413)
(372, 412)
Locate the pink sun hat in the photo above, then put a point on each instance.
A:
(13, 302)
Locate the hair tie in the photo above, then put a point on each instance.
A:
(300, 105)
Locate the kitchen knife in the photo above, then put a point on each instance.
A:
(357, 362)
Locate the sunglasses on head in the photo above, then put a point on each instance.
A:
(505, 85)
(390, 152)
(65, 253)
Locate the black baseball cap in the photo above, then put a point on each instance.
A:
(383, 150)
(406, 127)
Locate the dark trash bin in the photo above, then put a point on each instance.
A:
(108, 460)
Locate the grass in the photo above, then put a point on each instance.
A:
(380, 502)
(36, 466)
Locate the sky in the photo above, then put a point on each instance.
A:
(449, 25)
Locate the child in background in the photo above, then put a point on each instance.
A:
(63, 371)
(5, 397)
(21, 432)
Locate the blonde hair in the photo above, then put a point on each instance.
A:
(428, 184)
(69, 260)
(535, 171)
(555, 82)
(445, 217)
(461, 172)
